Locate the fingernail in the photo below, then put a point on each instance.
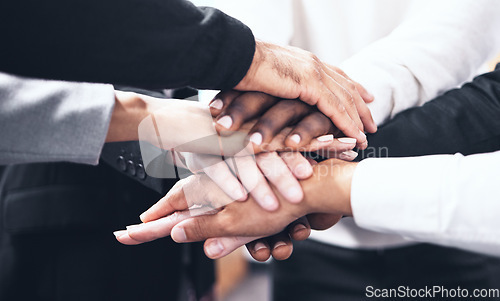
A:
(239, 194)
(119, 233)
(217, 104)
(299, 227)
(142, 216)
(295, 138)
(226, 122)
(348, 155)
(269, 203)
(293, 192)
(325, 138)
(279, 244)
(214, 248)
(256, 138)
(348, 140)
(178, 234)
(259, 246)
(304, 170)
(362, 135)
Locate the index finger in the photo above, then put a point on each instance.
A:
(367, 96)
(243, 108)
(330, 105)
(153, 230)
(174, 200)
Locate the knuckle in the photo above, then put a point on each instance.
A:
(198, 228)
(314, 58)
(314, 73)
(174, 217)
(262, 97)
(287, 104)
(314, 65)
(265, 157)
(237, 108)
(228, 224)
(347, 95)
(341, 108)
(341, 72)
(306, 128)
(265, 125)
(351, 85)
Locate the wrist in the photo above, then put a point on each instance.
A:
(329, 189)
(343, 186)
(258, 57)
(129, 110)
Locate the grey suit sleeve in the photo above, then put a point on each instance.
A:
(48, 121)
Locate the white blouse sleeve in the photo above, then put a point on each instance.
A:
(449, 200)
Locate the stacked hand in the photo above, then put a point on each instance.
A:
(245, 220)
(292, 73)
(273, 125)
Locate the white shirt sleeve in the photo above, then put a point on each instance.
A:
(49, 121)
(442, 45)
(449, 200)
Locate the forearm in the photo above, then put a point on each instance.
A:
(152, 43)
(46, 121)
(444, 199)
(128, 112)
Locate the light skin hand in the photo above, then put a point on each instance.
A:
(168, 123)
(253, 176)
(165, 123)
(237, 175)
(309, 128)
(177, 123)
(131, 108)
(241, 220)
(292, 73)
(261, 249)
(247, 218)
(279, 246)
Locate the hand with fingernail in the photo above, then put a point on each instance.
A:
(285, 125)
(292, 73)
(326, 199)
(303, 127)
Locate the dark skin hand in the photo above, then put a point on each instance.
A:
(273, 116)
(280, 246)
(233, 109)
(246, 219)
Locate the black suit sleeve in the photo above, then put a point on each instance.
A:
(142, 43)
(465, 120)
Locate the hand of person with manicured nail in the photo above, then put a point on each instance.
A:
(309, 128)
(280, 169)
(327, 191)
(293, 73)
